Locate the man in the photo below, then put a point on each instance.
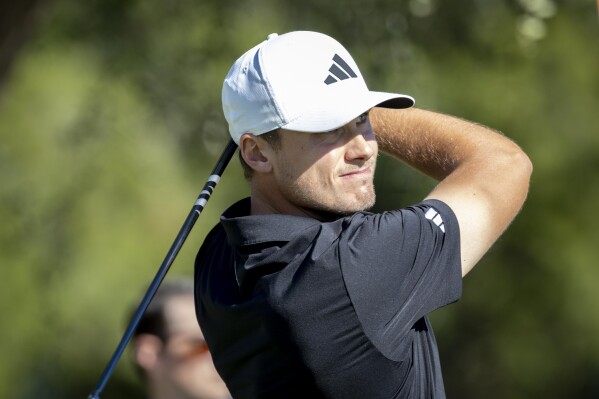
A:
(299, 290)
(169, 348)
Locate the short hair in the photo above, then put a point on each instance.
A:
(273, 138)
(153, 321)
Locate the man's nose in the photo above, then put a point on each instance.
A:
(361, 145)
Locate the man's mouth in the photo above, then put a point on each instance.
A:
(359, 172)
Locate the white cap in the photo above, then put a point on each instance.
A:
(303, 81)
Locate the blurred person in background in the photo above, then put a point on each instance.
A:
(169, 348)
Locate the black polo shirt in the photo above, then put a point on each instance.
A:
(292, 307)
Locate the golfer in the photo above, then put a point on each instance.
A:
(302, 292)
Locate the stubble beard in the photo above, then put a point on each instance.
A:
(311, 201)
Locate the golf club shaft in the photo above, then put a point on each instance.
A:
(195, 212)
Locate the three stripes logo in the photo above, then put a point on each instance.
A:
(339, 71)
(435, 217)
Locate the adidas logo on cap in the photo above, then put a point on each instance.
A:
(340, 70)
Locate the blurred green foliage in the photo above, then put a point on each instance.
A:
(110, 122)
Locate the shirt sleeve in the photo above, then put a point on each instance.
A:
(399, 266)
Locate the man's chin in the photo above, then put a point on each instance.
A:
(349, 210)
(366, 204)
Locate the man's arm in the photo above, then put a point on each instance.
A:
(483, 175)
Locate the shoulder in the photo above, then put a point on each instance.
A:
(215, 235)
(428, 218)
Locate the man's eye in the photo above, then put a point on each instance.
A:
(362, 118)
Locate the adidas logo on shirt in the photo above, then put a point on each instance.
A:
(339, 71)
(435, 217)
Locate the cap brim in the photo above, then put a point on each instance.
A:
(327, 114)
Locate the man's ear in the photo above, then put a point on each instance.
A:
(256, 153)
(146, 351)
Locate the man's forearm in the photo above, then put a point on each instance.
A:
(434, 143)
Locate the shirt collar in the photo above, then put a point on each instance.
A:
(245, 229)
